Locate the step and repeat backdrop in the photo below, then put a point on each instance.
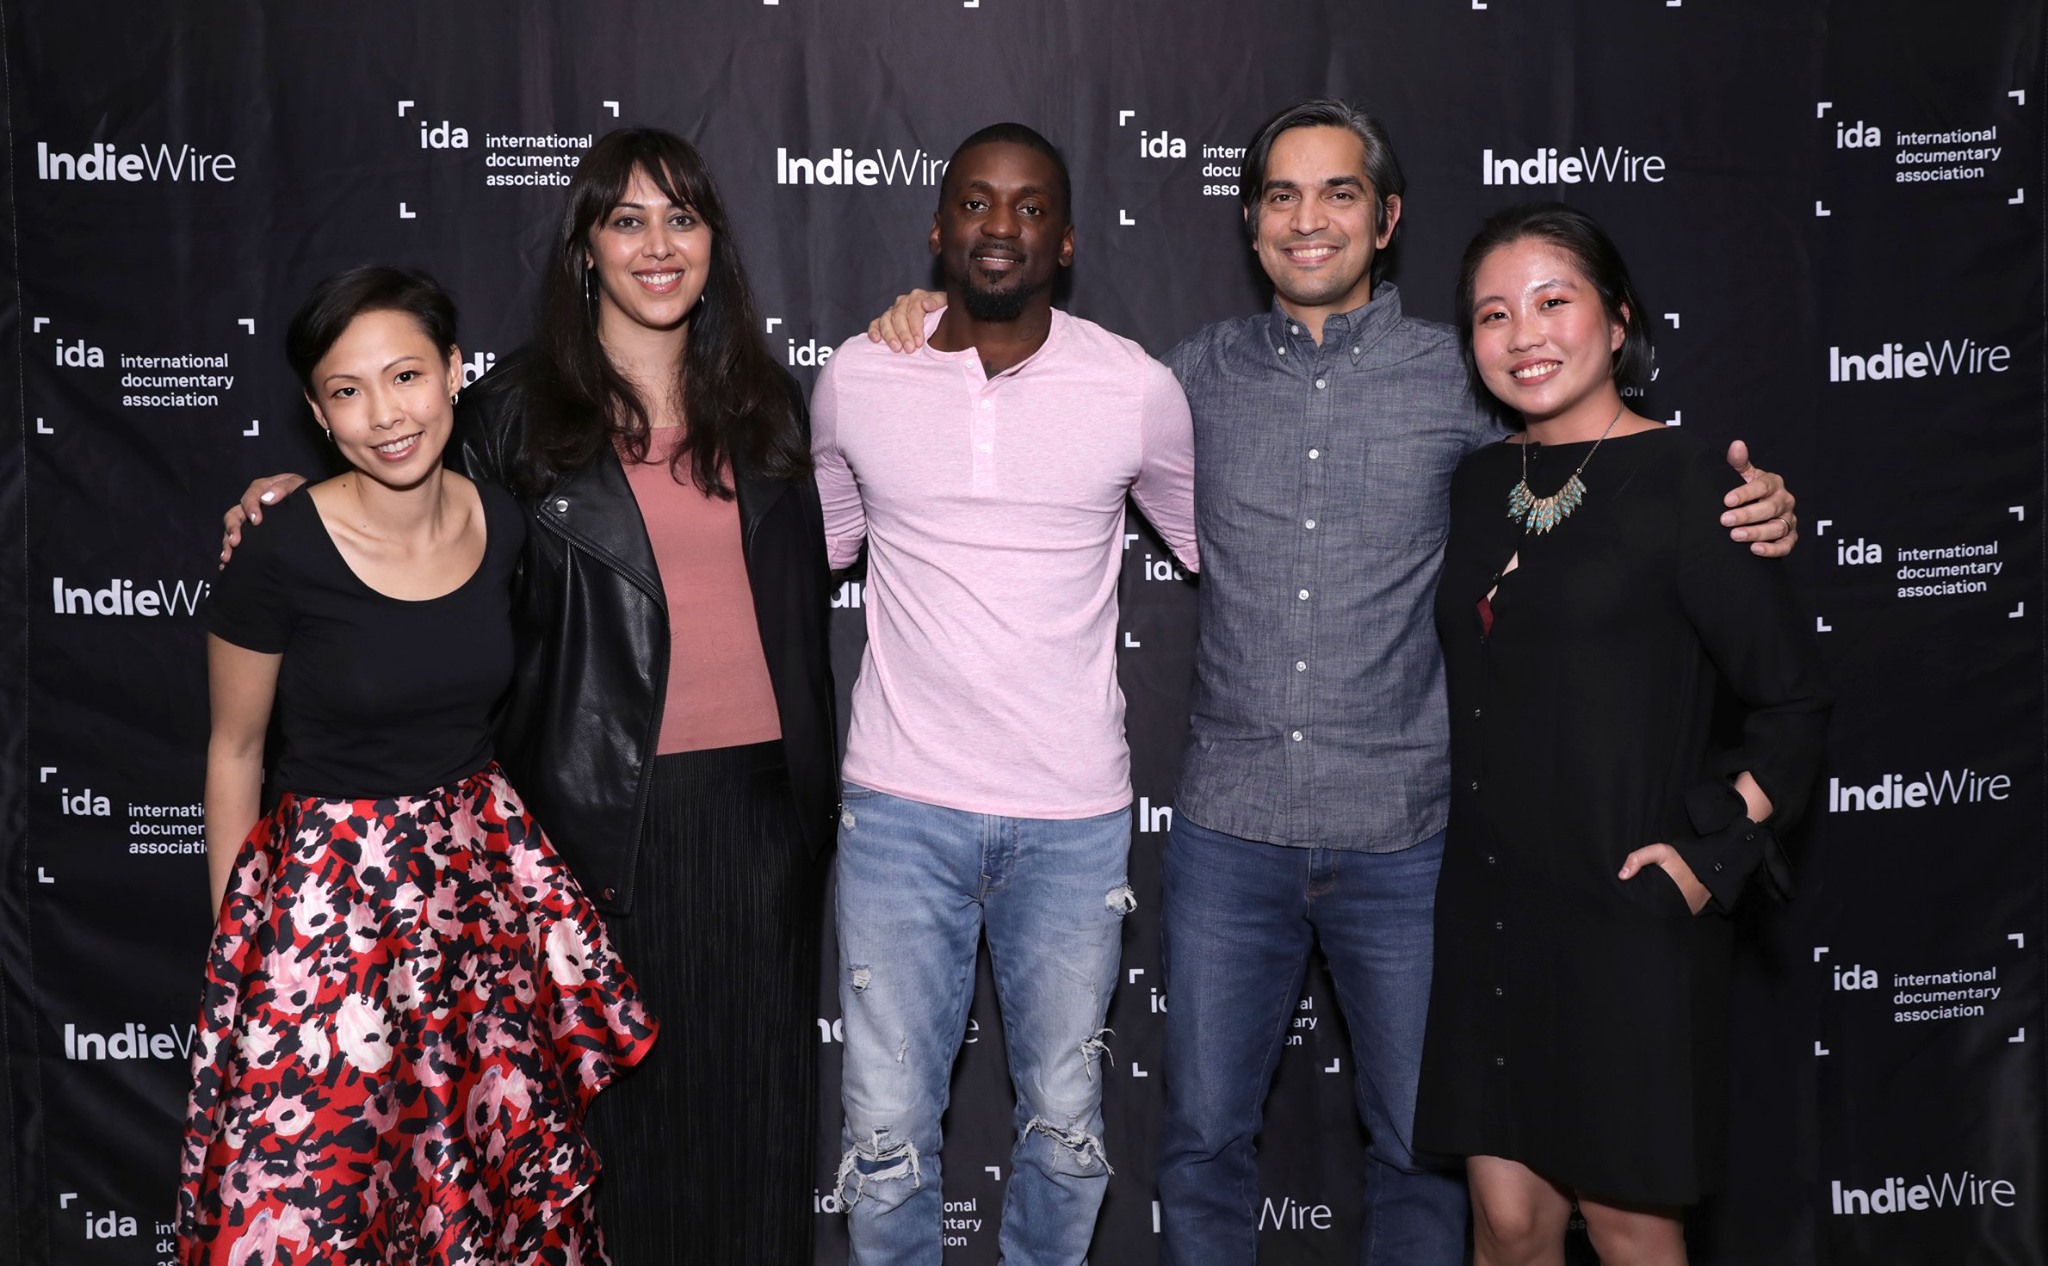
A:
(1834, 212)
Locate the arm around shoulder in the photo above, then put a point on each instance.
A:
(846, 525)
(1165, 487)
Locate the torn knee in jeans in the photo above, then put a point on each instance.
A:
(861, 977)
(1094, 1048)
(1121, 899)
(1079, 1146)
(877, 1160)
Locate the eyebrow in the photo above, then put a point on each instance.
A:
(1562, 283)
(1022, 190)
(399, 360)
(1333, 182)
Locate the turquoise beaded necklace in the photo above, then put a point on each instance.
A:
(1540, 514)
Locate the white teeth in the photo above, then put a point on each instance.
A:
(1536, 371)
(397, 446)
(659, 279)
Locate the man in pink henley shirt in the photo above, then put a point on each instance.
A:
(987, 781)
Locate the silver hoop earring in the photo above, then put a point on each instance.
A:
(330, 436)
(455, 396)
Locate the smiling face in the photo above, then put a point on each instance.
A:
(1001, 233)
(1317, 227)
(1541, 337)
(651, 258)
(384, 392)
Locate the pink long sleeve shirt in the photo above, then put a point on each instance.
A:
(993, 510)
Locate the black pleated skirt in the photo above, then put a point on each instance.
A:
(708, 1145)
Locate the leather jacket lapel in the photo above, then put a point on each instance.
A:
(595, 508)
(756, 496)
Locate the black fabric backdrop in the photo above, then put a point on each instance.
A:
(1796, 183)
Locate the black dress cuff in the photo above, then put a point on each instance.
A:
(1729, 848)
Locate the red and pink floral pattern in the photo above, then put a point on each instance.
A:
(409, 1007)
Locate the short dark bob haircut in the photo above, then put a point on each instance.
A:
(1382, 168)
(340, 299)
(1580, 236)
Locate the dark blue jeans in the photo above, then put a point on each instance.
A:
(1239, 919)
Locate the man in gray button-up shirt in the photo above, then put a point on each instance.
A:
(1315, 787)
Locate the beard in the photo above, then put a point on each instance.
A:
(995, 305)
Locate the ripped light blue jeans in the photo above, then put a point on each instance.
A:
(917, 884)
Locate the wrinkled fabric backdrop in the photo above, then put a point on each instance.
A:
(1834, 212)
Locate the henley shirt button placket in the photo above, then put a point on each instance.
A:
(982, 426)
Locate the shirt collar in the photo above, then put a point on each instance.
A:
(1354, 331)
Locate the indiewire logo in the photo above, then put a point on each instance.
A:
(1550, 166)
(130, 1041)
(104, 162)
(840, 167)
(1893, 361)
(1893, 791)
(1949, 1191)
(125, 597)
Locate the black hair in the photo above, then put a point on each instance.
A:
(1015, 134)
(340, 299)
(1599, 261)
(1382, 168)
(740, 408)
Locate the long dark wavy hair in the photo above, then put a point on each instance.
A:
(739, 407)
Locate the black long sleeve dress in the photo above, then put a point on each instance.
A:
(1579, 1024)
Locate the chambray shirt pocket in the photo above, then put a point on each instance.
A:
(1405, 503)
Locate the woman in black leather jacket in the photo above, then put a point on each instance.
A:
(671, 717)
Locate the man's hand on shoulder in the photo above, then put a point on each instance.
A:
(902, 326)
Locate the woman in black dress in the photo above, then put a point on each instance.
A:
(671, 712)
(1603, 824)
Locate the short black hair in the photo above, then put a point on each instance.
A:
(1016, 134)
(346, 295)
(1382, 168)
(1598, 259)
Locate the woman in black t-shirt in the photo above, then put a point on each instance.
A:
(409, 1003)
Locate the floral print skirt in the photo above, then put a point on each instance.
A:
(409, 1006)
